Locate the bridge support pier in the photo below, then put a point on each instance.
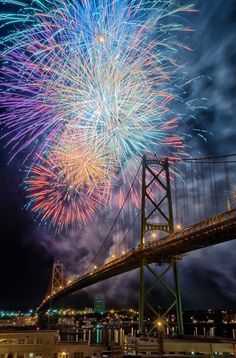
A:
(157, 216)
(42, 322)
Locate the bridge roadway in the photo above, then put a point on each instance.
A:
(217, 229)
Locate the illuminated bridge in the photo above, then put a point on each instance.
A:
(160, 239)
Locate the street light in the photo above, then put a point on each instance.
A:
(160, 341)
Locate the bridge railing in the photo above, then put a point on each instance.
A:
(216, 219)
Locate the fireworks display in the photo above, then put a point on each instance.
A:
(88, 85)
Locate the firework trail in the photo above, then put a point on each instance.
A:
(98, 75)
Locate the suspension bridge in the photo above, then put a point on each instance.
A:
(198, 192)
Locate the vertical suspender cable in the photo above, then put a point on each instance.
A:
(194, 218)
(211, 189)
(227, 187)
(185, 195)
(215, 187)
(198, 192)
(176, 197)
(203, 190)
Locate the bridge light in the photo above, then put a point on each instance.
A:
(113, 256)
(123, 252)
(154, 235)
(178, 227)
(95, 267)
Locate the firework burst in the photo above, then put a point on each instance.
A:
(83, 163)
(91, 77)
(57, 199)
(104, 66)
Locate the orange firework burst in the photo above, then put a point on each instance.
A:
(84, 163)
(63, 198)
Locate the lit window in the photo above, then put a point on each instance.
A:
(30, 341)
(3, 341)
(63, 355)
(39, 341)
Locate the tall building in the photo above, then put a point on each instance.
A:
(99, 304)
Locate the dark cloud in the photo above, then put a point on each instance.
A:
(213, 63)
(209, 276)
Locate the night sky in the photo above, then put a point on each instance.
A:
(208, 277)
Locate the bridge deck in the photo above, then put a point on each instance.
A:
(217, 229)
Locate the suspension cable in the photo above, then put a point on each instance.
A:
(115, 221)
(126, 234)
(213, 162)
(206, 158)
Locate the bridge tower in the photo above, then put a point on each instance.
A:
(157, 216)
(56, 282)
(57, 278)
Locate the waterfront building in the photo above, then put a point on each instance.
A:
(44, 344)
(48, 344)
